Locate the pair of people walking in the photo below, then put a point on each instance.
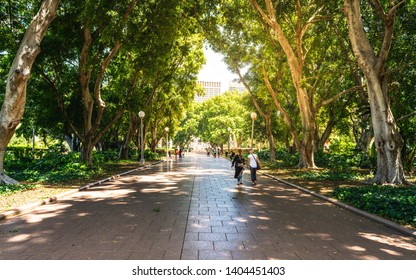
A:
(239, 164)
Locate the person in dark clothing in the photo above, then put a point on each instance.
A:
(232, 156)
(238, 163)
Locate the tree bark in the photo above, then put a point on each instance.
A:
(154, 140)
(305, 141)
(272, 147)
(92, 131)
(388, 141)
(86, 151)
(15, 97)
(124, 150)
(265, 115)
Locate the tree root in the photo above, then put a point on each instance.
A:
(4, 179)
(376, 181)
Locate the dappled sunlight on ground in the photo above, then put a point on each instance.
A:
(83, 214)
(291, 227)
(192, 209)
(19, 238)
(101, 195)
(391, 252)
(161, 190)
(48, 211)
(321, 236)
(356, 248)
(401, 242)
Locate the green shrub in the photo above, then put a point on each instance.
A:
(264, 154)
(342, 162)
(52, 167)
(104, 156)
(285, 158)
(10, 189)
(149, 155)
(331, 175)
(345, 158)
(395, 203)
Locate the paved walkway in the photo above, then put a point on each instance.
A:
(190, 209)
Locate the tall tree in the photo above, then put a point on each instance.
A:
(372, 60)
(102, 42)
(402, 87)
(285, 47)
(295, 53)
(15, 96)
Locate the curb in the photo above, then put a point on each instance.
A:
(372, 217)
(85, 187)
(29, 207)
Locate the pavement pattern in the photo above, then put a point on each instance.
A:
(191, 209)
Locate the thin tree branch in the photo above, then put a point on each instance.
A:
(60, 102)
(406, 116)
(279, 106)
(335, 97)
(253, 97)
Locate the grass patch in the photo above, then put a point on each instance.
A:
(331, 175)
(394, 203)
(10, 189)
(53, 167)
(55, 173)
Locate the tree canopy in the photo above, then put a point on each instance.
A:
(305, 75)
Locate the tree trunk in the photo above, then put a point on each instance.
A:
(15, 97)
(93, 103)
(363, 133)
(154, 141)
(387, 139)
(124, 150)
(306, 152)
(272, 147)
(307, 146)
(86, 151)
(72, 141)
(320, 141)
(295, 58)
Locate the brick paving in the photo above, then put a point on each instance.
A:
(191, 209)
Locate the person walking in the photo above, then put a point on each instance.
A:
(232, 156)
(238, 163)
(254, 164)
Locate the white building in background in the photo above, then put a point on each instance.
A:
(214, 88)
(236, 86)
(197, 145)
(211, 89)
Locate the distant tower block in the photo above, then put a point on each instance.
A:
(236, 87)
(211, 89)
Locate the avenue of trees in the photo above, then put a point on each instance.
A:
(80, 71)
(101, 63)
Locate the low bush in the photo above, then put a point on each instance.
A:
(10, 189)
(330, 175)
(149, 155)
(55, 166)
(395, 203)
(335, 161)
(342, 162)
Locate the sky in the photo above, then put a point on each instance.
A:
(215, 70)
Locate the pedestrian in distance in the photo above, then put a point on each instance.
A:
(238, 163)
(254, 165)
(232, 156)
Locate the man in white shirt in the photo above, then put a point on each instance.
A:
(254, 164)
